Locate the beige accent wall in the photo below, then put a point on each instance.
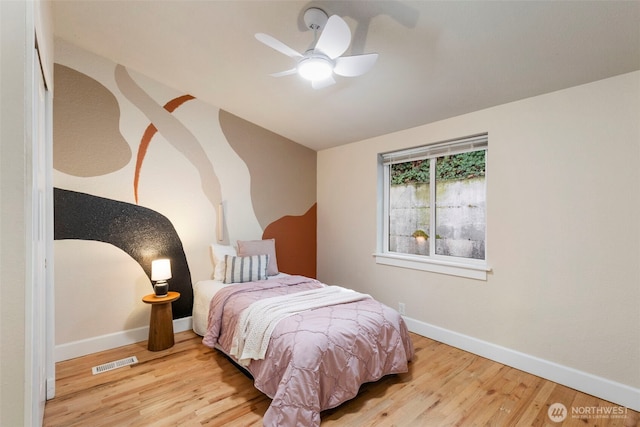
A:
(563, 208)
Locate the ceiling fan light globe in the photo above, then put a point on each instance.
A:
(315, 68)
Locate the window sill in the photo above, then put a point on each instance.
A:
(471, 271)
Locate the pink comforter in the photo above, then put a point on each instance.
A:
(316, 359)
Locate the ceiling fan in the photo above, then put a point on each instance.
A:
(323, 59)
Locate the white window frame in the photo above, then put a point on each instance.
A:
(444, 264)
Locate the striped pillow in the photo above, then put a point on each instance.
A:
(240, 269)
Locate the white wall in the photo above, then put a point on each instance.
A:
(563, 232)
(16, 88)
(12, 204)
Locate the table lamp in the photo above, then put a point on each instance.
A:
(160, 272)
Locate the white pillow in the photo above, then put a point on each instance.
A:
(219, 252)
(240, 269)
(259, 247)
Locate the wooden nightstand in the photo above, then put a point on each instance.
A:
(161, 323)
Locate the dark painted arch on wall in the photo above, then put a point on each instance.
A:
(142, 233)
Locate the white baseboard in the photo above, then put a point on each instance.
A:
(105, 342)
(617, 393)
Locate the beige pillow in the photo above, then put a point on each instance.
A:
(260, 247)
(219, 251)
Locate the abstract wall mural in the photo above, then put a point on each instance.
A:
(149, 132)
(173, 131)
(88, 139)
(145, 168)
(283, 202)
(143, 234)
(279, 181)
(297, 242)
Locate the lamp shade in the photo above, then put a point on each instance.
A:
(161, 269)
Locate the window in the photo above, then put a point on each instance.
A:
(433, 210)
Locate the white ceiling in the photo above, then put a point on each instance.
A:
(437, 59)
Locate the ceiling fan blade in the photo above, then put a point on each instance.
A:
(285, 73)
(319, 84)
(352, 66)
(335, 37)
(276, 44)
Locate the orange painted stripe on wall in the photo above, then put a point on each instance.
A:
(149, 132)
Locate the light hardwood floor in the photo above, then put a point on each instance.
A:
(192, 385)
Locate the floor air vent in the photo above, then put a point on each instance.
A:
(114, 365)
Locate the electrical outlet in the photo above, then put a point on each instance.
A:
(401, 308)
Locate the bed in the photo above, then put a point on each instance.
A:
(315, 344)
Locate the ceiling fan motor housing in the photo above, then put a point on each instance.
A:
(315, 18)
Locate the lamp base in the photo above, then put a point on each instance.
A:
(161, 288)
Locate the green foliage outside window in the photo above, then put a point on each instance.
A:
(458, 166)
